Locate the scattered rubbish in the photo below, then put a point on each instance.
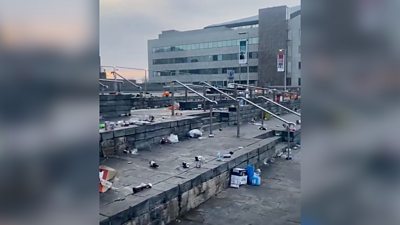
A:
(185, 165)
(120, 123)
(219, 158)
(239, 177)
(220, 129)
(125, 114)
(211, 135)
(254, 176)
(105, 175)
(228, 155)
(165, 141)
(250, 172)
(130, 151)
(199, 161)
(298, 122)
(256, 179)
(149, 118)
(231, 152)
(102, 126)
(153, 164)
(178, 114)
(240, 147)
(201, 138)
(129, 162)
(173, 138)
(262, 128)
(257, 124)
(175, 106)
(141, 187)
(195, 133)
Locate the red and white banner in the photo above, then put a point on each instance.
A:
(281, 61)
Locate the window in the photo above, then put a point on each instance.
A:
(243, 69)
(299, 81)
(299, 65)
(215, 57)
(253, 69)
(288, 81)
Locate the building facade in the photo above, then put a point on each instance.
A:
(209, 54)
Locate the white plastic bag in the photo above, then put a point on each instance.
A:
(173, 138)
(195, 133)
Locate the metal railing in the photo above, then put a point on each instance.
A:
(288, 123)
(284, 107)
(197, 93)
(221, 92)
(130, 82)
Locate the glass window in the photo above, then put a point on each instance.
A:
(253, 69)
(299, 65)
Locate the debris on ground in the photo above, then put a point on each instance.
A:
(185, 165)
(238, 177)
(173, 138)
(153, 164)
(141, 187)
(165, 140)
(130, 151)
(195, 133)
(105, 175)
(262, 128)
(199, 161)
(149, 118)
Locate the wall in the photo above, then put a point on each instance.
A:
(272, 37)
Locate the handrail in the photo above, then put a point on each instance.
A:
(197, 93)
(255, 87)
(215, 88)
(103, 85)
(113, 72)
(272, 114)
(109, 80)
(296, 113)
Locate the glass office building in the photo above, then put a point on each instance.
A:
(208, 54)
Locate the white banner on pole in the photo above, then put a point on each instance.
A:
(281, 61)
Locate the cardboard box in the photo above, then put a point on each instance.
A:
(238, 177)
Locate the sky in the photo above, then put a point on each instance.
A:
(126, 25)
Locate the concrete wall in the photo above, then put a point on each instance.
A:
(272, 37)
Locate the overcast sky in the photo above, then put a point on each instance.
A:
(126, 25)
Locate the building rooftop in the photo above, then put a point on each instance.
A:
(234, 23)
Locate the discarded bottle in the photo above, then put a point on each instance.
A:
(219, 158)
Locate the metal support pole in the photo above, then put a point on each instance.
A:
(204, 100)
(237, 114)
(145, 83)
(262, 118)
(186, 95)
(211, 113)
(288, 157)
(173, 98)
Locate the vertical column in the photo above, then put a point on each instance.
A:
(237, 113)
(173, 98)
